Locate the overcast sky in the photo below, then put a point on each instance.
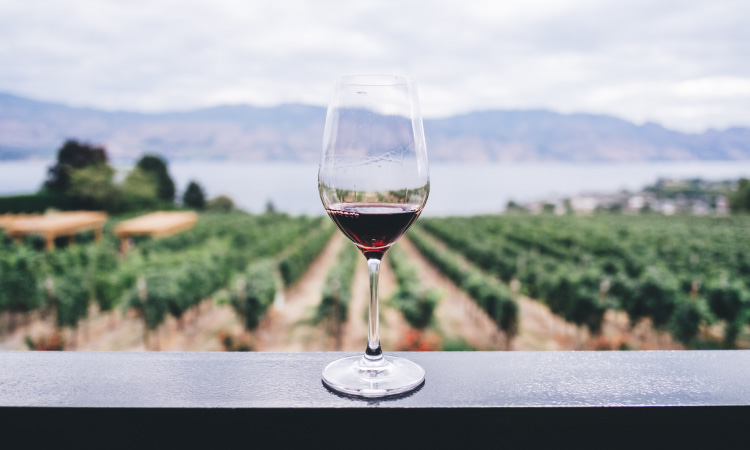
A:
(684, 64)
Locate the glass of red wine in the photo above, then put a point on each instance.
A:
(373, 181)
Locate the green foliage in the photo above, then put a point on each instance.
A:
(739, 200)
(294, 264)
(492, 296)
(416, 302)
(92, 187)
(139, 191)
(156, 167)
(158, 277)
(685, 322)
(729, 302)
(71, 297)
(655, 296)
(222, 203)
(83, 179)
(108, 283)
(647, 266)
(254, 291)
(417, 305)
(72, 155)
(152, 294)
(76, 274)
(108, 289)
(32, 203)
(337, 291)
(20, 281)
(457, 345)
(575, 295)
(513, 207)
(194, 196)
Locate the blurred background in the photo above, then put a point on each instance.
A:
(589, 169)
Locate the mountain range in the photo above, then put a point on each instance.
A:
(35, 129)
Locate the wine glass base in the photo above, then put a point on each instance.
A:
(359, 377)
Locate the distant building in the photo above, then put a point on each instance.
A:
(667, 197)
(667, 207)
(722, 205)
(700, 208)
(584, 204)
(636, 203)
(534, 207)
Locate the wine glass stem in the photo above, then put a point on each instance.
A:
(373, 352)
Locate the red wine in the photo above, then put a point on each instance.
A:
(373, 226)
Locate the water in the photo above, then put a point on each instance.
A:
(456, 189)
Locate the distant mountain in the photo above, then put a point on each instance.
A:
(31, 128)
(548, 136)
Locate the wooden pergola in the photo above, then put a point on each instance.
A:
(156, 224)
(7, 219)
(54, 225)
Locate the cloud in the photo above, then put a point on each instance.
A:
(681, 63)
(714, 88)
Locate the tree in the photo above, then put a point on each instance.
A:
(72, 155)
(158, 167)
(739, 200)
(139, 191)
(92, 187)
(513, 207)
(194, 196)
(222, 203)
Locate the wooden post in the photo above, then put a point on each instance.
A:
(49, 242)
(72, 240)
(98, 234)
(124, 245)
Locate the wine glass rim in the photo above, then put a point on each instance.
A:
(374, 80)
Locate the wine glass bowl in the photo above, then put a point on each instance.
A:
(373, 181)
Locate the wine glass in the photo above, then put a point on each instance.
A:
(373, 181)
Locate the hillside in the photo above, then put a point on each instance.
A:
(30, 128)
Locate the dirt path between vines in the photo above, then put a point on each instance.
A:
(287, 328)
(392, 324)
(113, 331)
(354, 338)
(458, 317)
(539, 328)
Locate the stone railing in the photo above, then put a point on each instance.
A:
(494, 399)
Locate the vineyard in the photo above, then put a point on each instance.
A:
(685, 276)
(226, 256)
(272, 282)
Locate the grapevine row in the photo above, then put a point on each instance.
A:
(333, 308)
(161, 277)
(490, 295)
(416, 302)
(582, 266)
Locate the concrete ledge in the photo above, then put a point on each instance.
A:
(525, 397)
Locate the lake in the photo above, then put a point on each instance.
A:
(456, 189)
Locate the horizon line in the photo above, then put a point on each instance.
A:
(278, 105)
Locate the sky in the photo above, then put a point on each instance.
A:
(684, 64)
